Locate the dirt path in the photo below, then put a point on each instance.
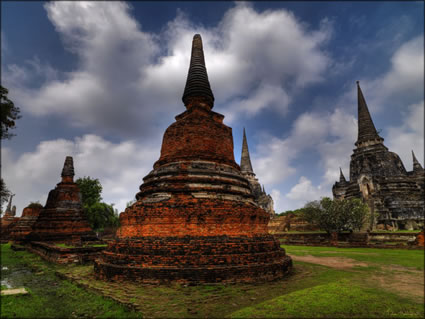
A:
(334, 262)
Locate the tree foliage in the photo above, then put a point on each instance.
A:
(8, 115)
(336, 215)
(4, 192)
(91, 190)
(99, 214)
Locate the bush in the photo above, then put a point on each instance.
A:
(35, 205)
(336, 215)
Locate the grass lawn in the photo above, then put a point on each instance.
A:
(325, 282)
(49, 297)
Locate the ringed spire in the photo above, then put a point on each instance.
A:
(197, 89)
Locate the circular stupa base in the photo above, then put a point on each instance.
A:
(194, 260)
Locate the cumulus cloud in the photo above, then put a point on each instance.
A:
(402, 83)
(304, 191)
(329, 135)
(129, 81)
(120, 167)
(409, 135)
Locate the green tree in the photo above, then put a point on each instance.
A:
(8, 115)
(101, 215)
(4, 193)
(336, 215)
(98, 213)
(90, 190)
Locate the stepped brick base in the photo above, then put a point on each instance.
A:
(195, 260)
(65, 255)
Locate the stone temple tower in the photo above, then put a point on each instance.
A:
(195, 219)
(378, 176)
(260, 196)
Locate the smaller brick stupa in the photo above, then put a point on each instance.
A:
(25, 224)
(9, 220)
(62, 219)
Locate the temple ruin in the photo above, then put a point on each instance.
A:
(62, 219)
(264, 200)
(25, 224)
(395, 196)
(196, 219)
(9, 220)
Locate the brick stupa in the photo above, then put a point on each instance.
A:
(195, 219)
(8, 221)
(25, 224)
(62, 219)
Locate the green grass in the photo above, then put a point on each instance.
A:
(50, 297)
(64, 245)
(99, 245)
(338, 299)
(311, 290)
(374, 256)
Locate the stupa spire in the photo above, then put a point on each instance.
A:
(245, 160)
(341, 176)
(416, 165)
(68, 169)
(9, 205)
(366, 128)
(197, 89)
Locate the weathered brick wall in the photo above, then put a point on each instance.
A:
(194, 137)
(64, 255)
(195, 219)
(25, 224)
(62, 218)
(7, 223)
(184, 215)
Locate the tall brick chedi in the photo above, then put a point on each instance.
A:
(378, 176)
(62, 219)
(195, 219)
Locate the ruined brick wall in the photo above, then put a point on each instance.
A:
(65, 255)
(25, 224)
(62, 218)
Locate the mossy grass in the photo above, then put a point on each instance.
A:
(336, 299)
(50, 296)
(311, 290)
(373, 256)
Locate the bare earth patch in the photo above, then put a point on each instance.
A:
(334, 262)
(351, 252)
(404, 281)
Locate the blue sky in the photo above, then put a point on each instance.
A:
(102, 82)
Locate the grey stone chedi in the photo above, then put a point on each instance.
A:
(395, 196)
(263, 199)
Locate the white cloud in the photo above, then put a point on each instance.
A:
(125, 83)
(120, 167)
(304, 190)
(409, 136)
(402, 83)
(330, 136)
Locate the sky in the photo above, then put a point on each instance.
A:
(101, 81)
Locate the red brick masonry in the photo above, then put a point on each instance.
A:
(195, 219)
